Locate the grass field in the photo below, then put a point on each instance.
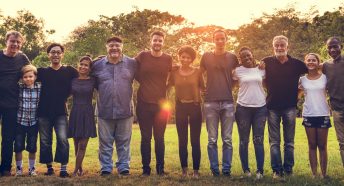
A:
(302, 173)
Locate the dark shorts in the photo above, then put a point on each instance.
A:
(317, 122)
(29, 133)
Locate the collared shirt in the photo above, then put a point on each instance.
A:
(115, 90)
(28, 104)
(334, 71)
(282, 81)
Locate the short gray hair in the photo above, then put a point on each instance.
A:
(280, 37)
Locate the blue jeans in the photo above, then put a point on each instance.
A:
(46, 125)
(255, 117)
(118, 131)
(287, 116)
(222, 111)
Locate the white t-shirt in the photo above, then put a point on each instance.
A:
(251, 92)
(315, 97)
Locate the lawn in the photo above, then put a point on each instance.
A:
(302, 173)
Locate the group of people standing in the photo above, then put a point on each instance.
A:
(37, 104)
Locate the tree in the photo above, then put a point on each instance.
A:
(28, 25)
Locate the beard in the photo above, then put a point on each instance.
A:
(281, 54)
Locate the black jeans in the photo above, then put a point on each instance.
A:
(151, 117)
(189, 113)
(8, 132)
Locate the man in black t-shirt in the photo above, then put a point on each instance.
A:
(11, 62)
(52, 113)
(282, 77)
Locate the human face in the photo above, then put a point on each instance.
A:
(246, 58)
(13, 45)
(185, 59)
(311, 62)
(280, 47)
(220, 40)
(334, 48)
(157, 42)
(29, 78)
(114, 49)
(55, 55)
(84, 67)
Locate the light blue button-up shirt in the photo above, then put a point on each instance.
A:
(115, 87)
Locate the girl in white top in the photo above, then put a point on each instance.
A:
(251, 109)
(315, 113)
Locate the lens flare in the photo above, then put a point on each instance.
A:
(165, 110)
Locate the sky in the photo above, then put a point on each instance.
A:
(65, 15)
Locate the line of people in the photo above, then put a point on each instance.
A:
(37, 104)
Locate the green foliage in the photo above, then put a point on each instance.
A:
(31, 27)
(41, 60)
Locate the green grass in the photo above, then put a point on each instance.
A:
(302, 172)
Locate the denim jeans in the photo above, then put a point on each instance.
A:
(118, 131)
(287, 116)
(46, 126)
(151, 117)
(222, 111)
(255, 117)
(338, 120)
(8, 132)
(28, 134)
(189, 113)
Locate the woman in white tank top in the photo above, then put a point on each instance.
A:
(316, 113)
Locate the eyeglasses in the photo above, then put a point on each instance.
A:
(55, 53)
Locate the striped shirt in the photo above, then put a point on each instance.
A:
(28, 104)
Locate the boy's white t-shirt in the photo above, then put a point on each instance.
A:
(251, 92)
(315, 97)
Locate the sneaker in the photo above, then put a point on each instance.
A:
(247, 174)
(289, 173)
(19, 171)
(162, 173)
(215, 173)
(32, 172)
(276, 175)
(124, 173)
(49, 172)
(259, 175)
(145, 173)
(105, 173)
(64, 174)
(226, 173)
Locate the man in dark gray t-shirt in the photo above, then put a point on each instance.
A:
(218, 105)
(334, 70)
(11, 62)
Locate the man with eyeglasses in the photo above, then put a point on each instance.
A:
(52, 113)
(282, 76)
(334, 70)
(11, 62)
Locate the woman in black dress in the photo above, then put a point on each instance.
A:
(81, 121)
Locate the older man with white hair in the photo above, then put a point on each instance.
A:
(282, 76)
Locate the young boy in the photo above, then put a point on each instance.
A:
(29, 92)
